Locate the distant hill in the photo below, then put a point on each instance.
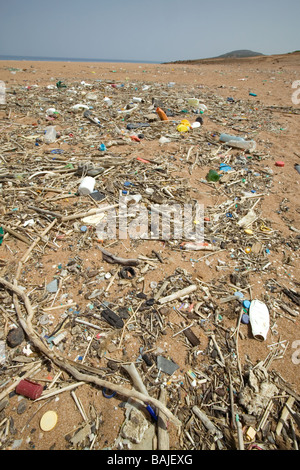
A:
(234, 58)
(239, 53)
(234, 55)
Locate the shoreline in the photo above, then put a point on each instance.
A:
(179, 166)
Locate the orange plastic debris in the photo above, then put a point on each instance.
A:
(162, 114)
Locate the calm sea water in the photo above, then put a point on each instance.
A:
(72, 59)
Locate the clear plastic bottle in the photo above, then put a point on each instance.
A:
(229, 138)
(243, 145)
(50, 135)
(238, 142)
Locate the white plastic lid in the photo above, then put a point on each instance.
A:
(48, 420)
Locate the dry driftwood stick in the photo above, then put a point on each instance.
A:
(79, 406)
(86, 214)
(178, 294)
(16, 234)
(61, 390)
(207, 423)
(45, 211)
(294, 415)
(15, 382)
(241, 445)
(162, 432)
(26, 255)
(110, 258)
(62, 363)
(136, 378)
(212, 336)
(161, 290)
(284, 415)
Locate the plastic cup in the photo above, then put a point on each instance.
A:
(86, 186)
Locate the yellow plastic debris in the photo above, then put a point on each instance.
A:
(48, 420)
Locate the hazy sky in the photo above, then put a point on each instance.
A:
(153, 30)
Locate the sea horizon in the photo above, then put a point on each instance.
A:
(72, 59)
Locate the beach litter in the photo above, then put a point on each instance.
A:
(135, 317)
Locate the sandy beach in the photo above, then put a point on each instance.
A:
(261, 93)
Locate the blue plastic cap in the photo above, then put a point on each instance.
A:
(245, 318)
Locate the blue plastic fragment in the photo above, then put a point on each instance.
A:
(152, 413)
(225, 167)
(238, 294)
(245, 318)
(106, 395)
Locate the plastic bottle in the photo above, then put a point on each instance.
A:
(161, 114)
(50, 135)
(243, 144)
(259, 319)
(238, 142)
(229, 138)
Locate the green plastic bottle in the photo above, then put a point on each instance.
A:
(212, 175)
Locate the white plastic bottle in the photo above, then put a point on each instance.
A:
(259, 319)
(50, 135)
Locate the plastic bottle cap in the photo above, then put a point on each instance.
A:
(48, 420)
(238, 294)
(246, 303)
(279, 163)
(245, 319)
